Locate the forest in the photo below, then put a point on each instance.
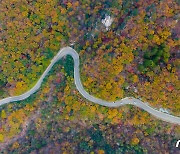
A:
(138, 55)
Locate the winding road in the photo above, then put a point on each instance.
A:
(128, 100)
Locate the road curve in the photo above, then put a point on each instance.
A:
(128, 100)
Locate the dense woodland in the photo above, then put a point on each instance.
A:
(136, 56)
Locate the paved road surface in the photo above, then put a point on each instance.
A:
(128, 100)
